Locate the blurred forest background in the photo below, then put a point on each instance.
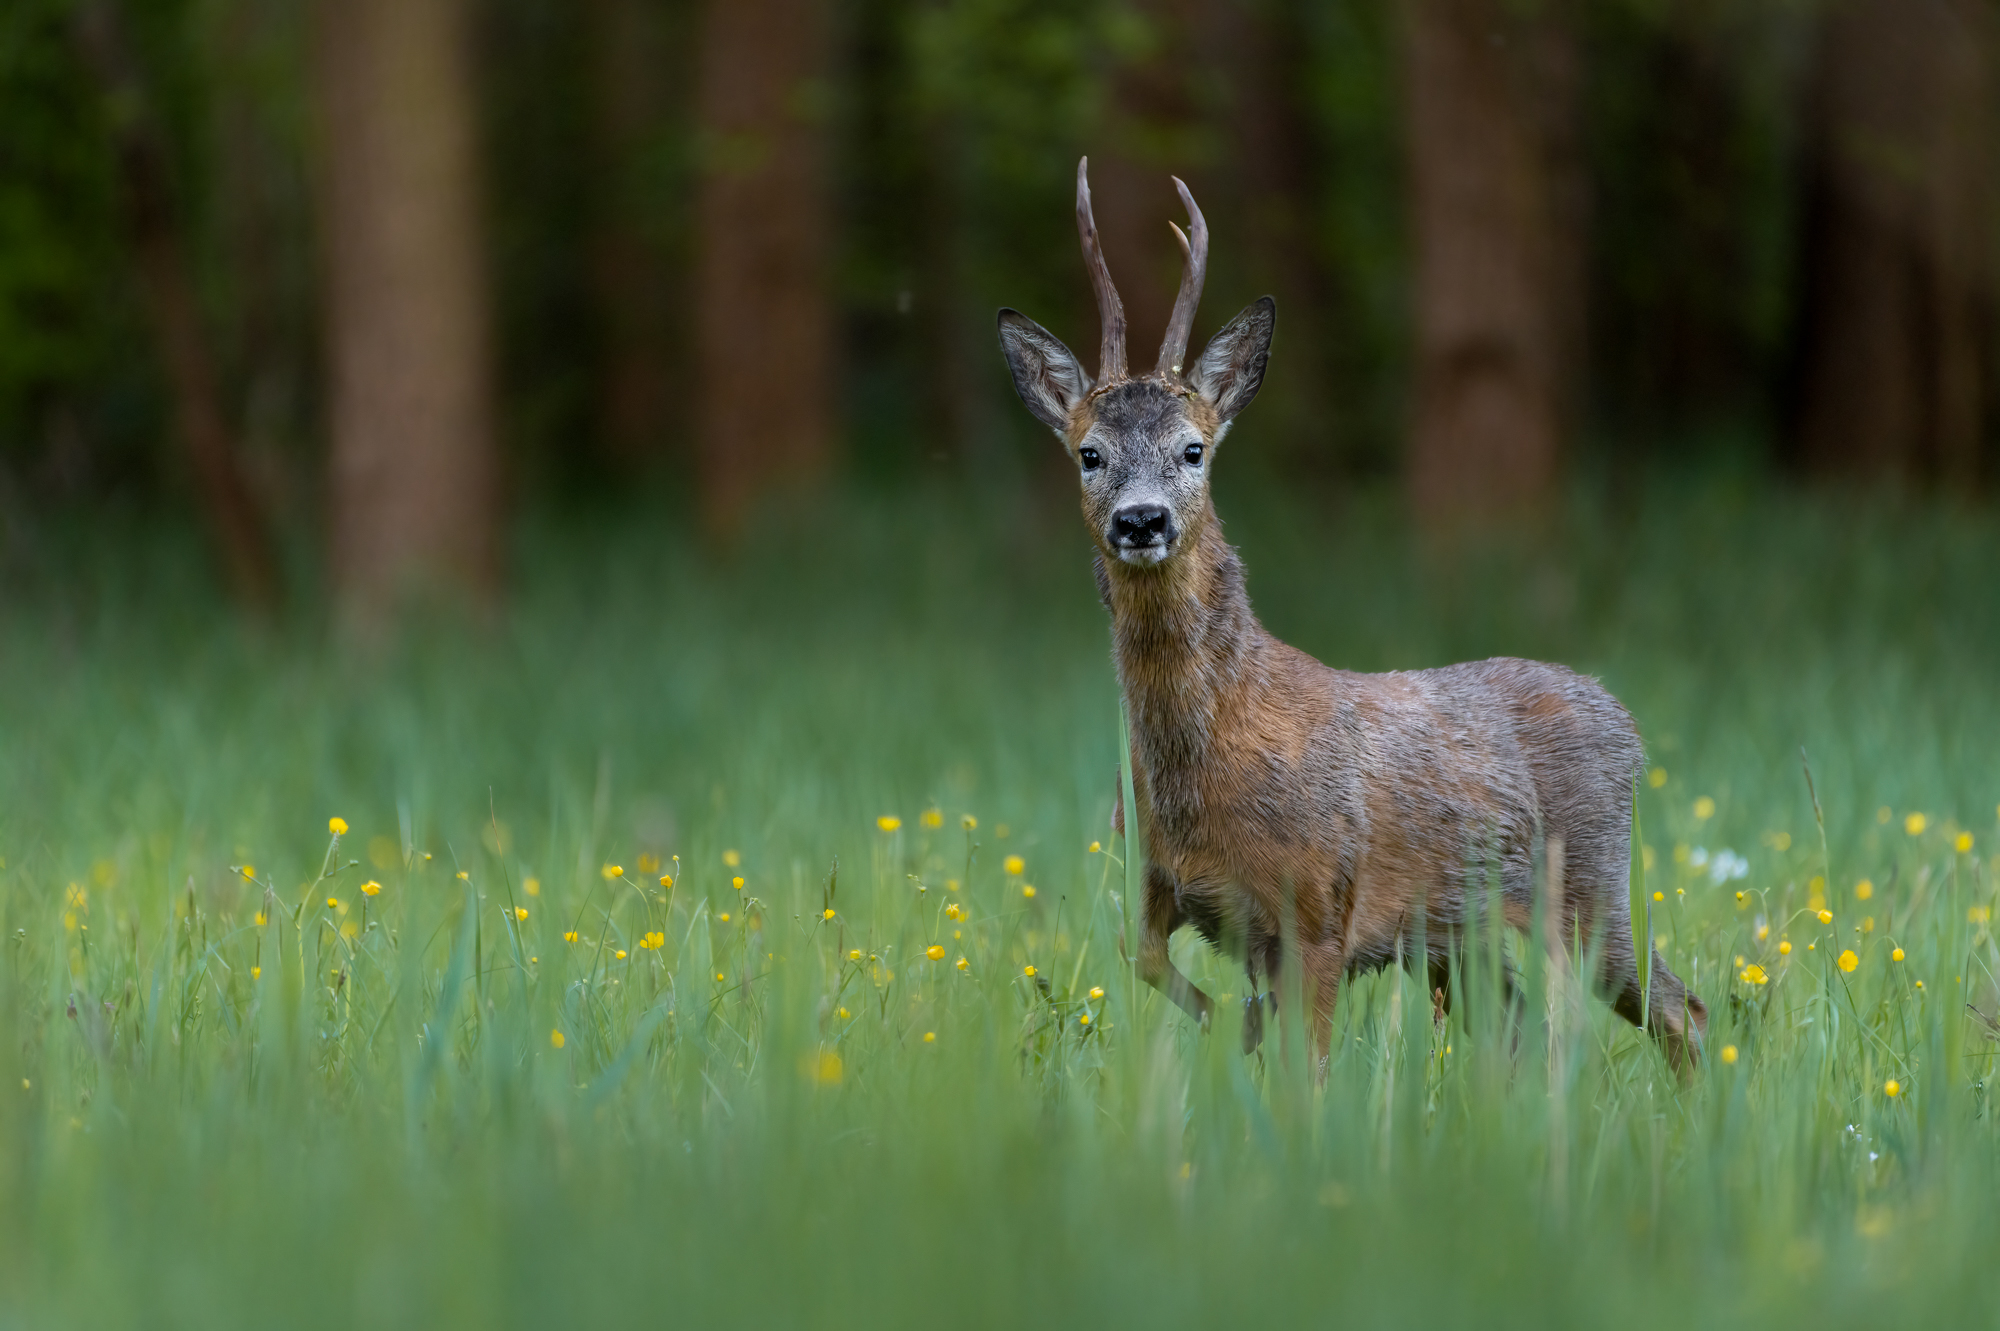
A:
(347, 284)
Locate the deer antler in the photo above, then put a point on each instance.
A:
(1194, 271)
(1110, 310)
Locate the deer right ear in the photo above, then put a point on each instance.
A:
(1049, 379)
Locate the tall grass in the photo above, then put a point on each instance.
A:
(242, 1089)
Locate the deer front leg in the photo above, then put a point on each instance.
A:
(1324, 966)
(1156, 967)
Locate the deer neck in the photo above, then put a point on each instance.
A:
(1186, 641)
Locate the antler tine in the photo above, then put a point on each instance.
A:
(1194, 271)
(1110, 310)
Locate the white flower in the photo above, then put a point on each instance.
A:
(1727, 865)
(1698, 857)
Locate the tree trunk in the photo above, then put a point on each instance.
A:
(414, 485)
(1270, 184)
(627, 269)
(1496, 207)
(765, 414)
(1154, 132)
(1896, 374)
(235, 522)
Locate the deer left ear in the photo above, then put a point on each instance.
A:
(1230, 369)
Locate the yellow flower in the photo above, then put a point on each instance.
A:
(1742, 898)
(930, 1037)
(350, 929)
(666, 880)
(1028, 971)
(935, 952)
(1754, 974)
(1729, 1053)
(648, 862)
(1763, 932)
(1863, 890)
(854, 954)
(1867, 924)
(888, 822)
(333, 903)
(556, 1039)
(256, 972)
(828, 913)
(337, 826)
(532, 886)
(968, 822)
(826, 1069)
(1704, 809)
(653, 939)
(1896, 955)
(933, 818)
(843, 1014)
(1920, 984)
(1028, 890)
(1826, 917)
(1096, 991)
(1892, 1088)
(1915, 824)
(520, 912)
(1083, 1020)
(1657, 777)
(737, 882)
(723, 917)
(569, 936)
(951, 910)
(1659, 896)
(248, 871)
(963, 964)
(732, 858)
(1963, 845)
(371, 888)
(718, 977)
(464, 876)
(612, 871)
(259, 919)
(1785, 948)
(1095, 847)
(1014, 864)
(619, 955)
(1847, 961)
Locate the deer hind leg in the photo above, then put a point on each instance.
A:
(1673, 1015)
(1324, 965)
(1156, 965)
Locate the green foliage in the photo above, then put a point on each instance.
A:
(243, 1116)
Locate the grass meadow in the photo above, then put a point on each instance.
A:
(477, 1061)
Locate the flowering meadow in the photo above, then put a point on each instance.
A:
(746, 942)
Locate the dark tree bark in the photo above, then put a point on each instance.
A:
(1269, 178)
(1497, 216)
(1155, 131)
(415, 486)
(235, 522)
(763, 314)
(1896, 377)
(633, 296)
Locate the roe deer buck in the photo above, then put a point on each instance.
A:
(1374, 809)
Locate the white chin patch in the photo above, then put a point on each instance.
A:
(1144, 556)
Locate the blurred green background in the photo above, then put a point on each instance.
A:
(564, 442)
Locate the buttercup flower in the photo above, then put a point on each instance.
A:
(888, 822)
(337, 826)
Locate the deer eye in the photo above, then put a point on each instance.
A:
(1192, 455)
(1090, 458)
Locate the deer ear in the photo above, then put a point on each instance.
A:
(1049, 379)
(1230, 369)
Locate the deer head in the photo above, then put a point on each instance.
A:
(1142, 445)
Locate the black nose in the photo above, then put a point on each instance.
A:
(1141, 524)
